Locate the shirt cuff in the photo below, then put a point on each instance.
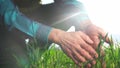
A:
(43, 34)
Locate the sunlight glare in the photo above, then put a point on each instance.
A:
(105, 14)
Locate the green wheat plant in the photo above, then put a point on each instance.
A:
(45, 58)
(111, 56)
(55, 58)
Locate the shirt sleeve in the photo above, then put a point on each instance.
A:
(13, 18)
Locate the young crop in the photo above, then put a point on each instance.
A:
(108, 57)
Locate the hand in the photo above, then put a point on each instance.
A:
(75, 44)
(94, 32)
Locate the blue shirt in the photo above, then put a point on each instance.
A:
(14, 18)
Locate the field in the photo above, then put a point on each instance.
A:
(55, 58)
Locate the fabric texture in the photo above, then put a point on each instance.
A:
(13, 18)
(72, 15)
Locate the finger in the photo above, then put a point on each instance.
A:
(79, 63)
(74, 59)
(86, 38)
(79, 56)
(74, 55)
(93, 62)
(106, 38)
(102, 51)
(104, 35)
(70, 54)
(96, 42)
(84, 53)
(89, 49)
(88, 65)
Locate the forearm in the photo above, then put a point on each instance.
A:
(13, 18)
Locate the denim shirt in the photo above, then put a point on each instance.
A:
(14, 18)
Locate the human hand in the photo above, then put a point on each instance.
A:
(75, 44)
(94, 33)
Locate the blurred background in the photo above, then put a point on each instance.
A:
(103, 13)
(106, 14)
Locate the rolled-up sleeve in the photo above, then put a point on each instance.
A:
(13, 18)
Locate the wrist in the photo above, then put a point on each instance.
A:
(55, 34)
